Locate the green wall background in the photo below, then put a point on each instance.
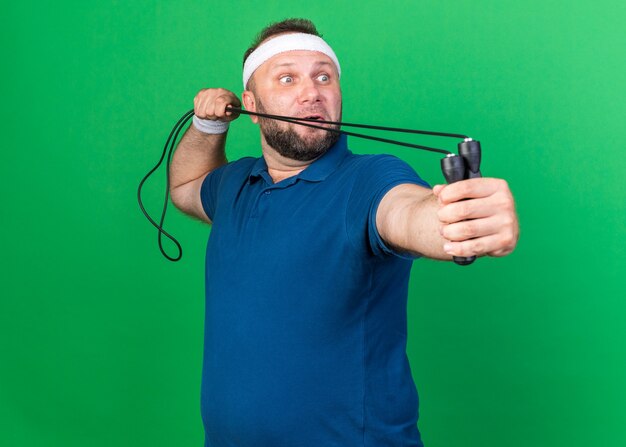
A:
(102, 337)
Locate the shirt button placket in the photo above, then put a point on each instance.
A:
(262, 203)
(258, 204)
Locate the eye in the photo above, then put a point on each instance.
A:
(323, 78)
(286, 79)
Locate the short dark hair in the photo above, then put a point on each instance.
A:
(285, 26)
(273, 29)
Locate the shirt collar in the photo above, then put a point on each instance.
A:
(316, 171)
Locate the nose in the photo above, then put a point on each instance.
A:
(309, 91)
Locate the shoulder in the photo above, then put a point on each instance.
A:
(223, 182)
(377, 169)
(228, 176)
(233, 171)
(374, 162)
(242, 166)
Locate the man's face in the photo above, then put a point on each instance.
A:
(301, 84)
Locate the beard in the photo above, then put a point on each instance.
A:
(291, 145)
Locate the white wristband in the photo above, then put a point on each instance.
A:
(210, 126)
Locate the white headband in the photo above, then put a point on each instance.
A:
(282, 43)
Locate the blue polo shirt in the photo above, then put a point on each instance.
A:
(305, 325)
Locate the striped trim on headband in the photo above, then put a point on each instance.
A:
(282, 43)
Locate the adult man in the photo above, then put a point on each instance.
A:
(309, 258)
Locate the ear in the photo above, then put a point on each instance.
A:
(249, 102)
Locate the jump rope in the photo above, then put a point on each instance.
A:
(465, 165)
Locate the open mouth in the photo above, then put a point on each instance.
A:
(314, 117)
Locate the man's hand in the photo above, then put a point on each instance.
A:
(210, 103)
(493, 229)
(198, 152)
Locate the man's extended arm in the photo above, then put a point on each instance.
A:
(441, 223)
(199, 153)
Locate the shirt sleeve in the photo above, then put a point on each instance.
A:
(377, 176)
(210, 190)
(221, 184)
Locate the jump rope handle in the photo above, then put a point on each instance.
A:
(464, 166)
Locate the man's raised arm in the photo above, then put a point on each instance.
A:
(201, 149)
(473, 217)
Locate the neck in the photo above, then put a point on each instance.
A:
(280, 167)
